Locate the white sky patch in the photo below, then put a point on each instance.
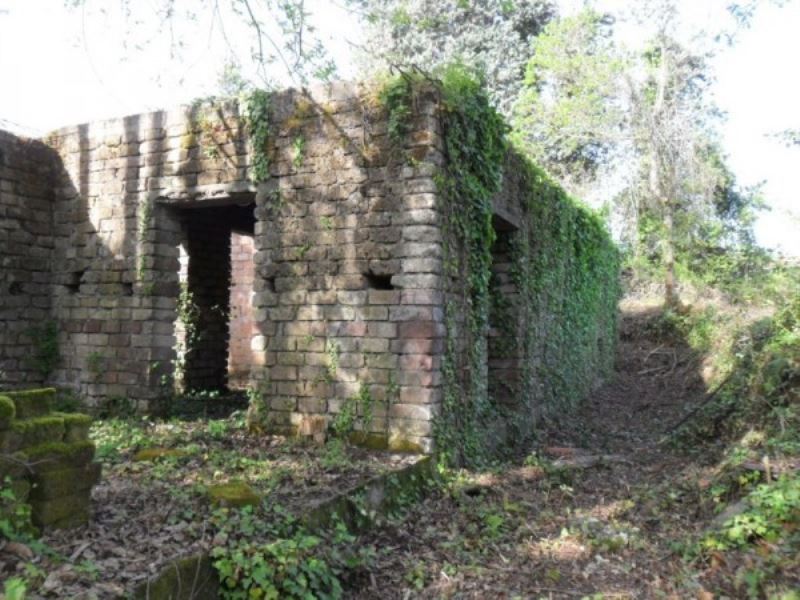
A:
(54, 76)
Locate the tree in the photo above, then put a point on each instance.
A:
(491, 35)
(267, 43)
(587, 107)
(570, 113)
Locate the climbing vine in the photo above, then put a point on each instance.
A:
(188, 317)
(46, 352)
(564, 267)
(257, 106)
(474, 140)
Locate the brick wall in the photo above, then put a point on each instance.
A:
(242, 313)
(333, 285)
(26, 244)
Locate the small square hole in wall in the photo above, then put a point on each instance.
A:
(269, 282)
(378, 282)
(73, 284)
(15, 288)
(127, 288)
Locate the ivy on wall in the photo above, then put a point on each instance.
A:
(257, 106)
(565, 268)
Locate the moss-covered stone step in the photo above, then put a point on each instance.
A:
(56, 456)
(50, 485)
(55, 427)
(32, 403)
(189, 578)
(66, 511)
(38, 430)
(76, 426)
(7, 412)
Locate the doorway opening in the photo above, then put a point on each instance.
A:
(215, 317)
(504, 325)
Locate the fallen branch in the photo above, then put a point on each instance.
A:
(709, 397)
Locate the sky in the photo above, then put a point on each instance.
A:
(62, 67)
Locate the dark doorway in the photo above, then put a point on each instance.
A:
(504, 319)
(215, 317)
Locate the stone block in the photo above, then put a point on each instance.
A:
(39, 430)
(54, 456)
(32, 403)
(234, 494)
(7, 412)
(64, 511)
(65, 482)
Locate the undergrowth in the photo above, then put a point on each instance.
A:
(751, 422)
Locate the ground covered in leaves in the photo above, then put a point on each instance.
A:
(153, 503)
(677, 479)
(615, 503)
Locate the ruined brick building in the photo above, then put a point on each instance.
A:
(132, 247)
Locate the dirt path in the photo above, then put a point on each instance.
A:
(599, 519)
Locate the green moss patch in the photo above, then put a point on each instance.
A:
(399, 444)
(39, 430)
(151, 454)
(10, 441)
(373, 441)
(54, 456)
(64, 511)
(32, 403)
(12, 465)
(189, 578)
(234, 493)
(7, 412)
(76, 426)
(65, 482)
(74, 418)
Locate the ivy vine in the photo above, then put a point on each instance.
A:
(257, 106)
(564, 266)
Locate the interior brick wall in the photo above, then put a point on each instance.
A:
(26, 242)
(242, 313)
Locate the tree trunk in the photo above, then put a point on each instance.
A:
(661, 180)
(671, 299)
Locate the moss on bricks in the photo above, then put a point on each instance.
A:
(400, 444)
(189, 578)
(76, 519)
(54, 456)
(151, 454)
(32, 403)
(12, 465)
(7, 412)
(39, 430)
(61, 512)
(234, 493)
(10, 441)
(76, 426)
(372, 441)
(65, 482)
